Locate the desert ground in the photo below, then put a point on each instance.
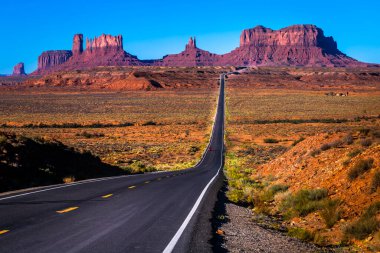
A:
(306, 155)
(302, 143)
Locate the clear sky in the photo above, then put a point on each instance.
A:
(152, 29)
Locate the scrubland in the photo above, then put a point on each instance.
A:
(307, 159)
(136, 131)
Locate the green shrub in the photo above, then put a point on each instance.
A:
(346, 162)
(365, 225)
(270, 140)
(315, 152)
(364, 131)
(193, 150)
(325, 147)
(301, 234)
(268, 194)
(298, 141)
(366, 142)
(330, 212)
(303, 202)
(90, 135)
(278, 188)
(348, 139)
(375, 182)
(235, 195)
(3, 139)
(149, 123)
(354, 153)
(360, 168)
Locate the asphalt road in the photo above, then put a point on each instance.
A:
(154, 212)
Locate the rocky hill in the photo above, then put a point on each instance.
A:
(298, 45)
(191, 56)
(19, 70)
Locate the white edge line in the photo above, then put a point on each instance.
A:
(64, 186)
(169, 248)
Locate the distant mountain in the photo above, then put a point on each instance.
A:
(298, 45)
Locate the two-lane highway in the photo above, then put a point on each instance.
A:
(139, 213)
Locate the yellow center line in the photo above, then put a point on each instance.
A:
(147, 182)
(68, 209)
(131, 187)
(3, 231)
(107, 196)
(159, 179)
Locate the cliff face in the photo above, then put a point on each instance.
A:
(77, 44)
(298, 45)
(104, 43)
(191, 56)
(49, 59)
(19, 70)
(105, 50)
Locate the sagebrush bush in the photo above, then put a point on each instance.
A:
(348, 139)
(354, 153)
(366, 224)
(303, 202)
(366, 142)
(375, 182)
(325, 147)
(364, 131)
(330, 212)
(359, 168)
(315, 152)
(301, 234)
(264, 197)
(298, 141)
(271, 140)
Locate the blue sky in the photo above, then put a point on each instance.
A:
(152, 29)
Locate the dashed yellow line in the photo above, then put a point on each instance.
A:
(107, 196)
(131, 187)
(158, 179)
(3, 231)
(147, 182)
(68, 209)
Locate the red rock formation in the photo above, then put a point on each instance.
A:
(77, 44)
(49, 59)
(298, 45)
(106, 50)
(19, 70)
(191, 56)
(104, 42)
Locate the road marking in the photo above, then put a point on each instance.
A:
(169, 248)
(147, 182)
(66, 185)
(131, 187)
(3, 231)
(158, 179)
(68, 209)
(167, 176)
(107, 196)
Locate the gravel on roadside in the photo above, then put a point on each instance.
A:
(241, 234)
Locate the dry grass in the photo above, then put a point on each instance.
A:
(166, 129)
(318, 134)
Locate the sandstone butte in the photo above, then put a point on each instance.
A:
(19, 70)
(298, 45)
